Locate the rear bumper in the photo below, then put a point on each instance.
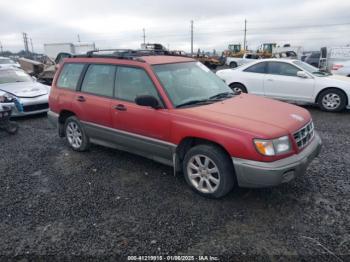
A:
(53, 118)
(254, 174)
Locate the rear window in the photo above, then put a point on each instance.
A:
(259, 68)
(69, 76)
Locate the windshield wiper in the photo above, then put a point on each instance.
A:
(222, 95)
(194, 102)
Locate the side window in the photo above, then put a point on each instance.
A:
(69, 76)
(257, 68)
(99, 80)
(133, 82)
(280, 68)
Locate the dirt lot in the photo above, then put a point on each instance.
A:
(106, 204)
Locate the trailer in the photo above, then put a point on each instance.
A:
(331, 55)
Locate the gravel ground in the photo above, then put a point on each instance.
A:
(56, 204)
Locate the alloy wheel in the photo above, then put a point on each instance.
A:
(203, 174)
(74, 135)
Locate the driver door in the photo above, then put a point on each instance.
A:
(282, 82)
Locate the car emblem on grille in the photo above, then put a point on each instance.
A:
(297, 117)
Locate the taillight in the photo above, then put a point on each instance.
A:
(336, 66)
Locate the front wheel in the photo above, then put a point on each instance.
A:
(238, 88)
(208, 171)
(332, 100)
(75, 134)
(12, 128)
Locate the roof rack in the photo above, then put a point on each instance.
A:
(131, 54)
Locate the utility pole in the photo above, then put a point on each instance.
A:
(31, 43)
(245, 35)
(1, 48)
(78, 38)
(25, 40)
(144, 35)
(191, 37)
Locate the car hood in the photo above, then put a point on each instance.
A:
(25, 89)
(262, 117)
(339, 78)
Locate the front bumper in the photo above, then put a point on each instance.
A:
(254, 174)
(32, 104)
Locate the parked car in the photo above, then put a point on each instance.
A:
(7, 62)
(313, 58)
(17, 84)
(290, 80)
(341, 68)
(174, 110)
(238, 61)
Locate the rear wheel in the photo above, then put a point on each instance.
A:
(238, 88)
(233, 64)
(75, 134)
(208, 171)
(332, 100)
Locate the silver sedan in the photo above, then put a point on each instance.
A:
(32, 96)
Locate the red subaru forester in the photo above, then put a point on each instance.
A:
(174, 110)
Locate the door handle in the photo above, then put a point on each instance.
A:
(120, 107)
(81, 99)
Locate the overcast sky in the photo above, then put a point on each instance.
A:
(118, 24)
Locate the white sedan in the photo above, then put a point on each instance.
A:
(290, 80)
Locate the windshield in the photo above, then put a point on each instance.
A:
(191, 82)
(6, 61)
(13, 76)
(311, 69)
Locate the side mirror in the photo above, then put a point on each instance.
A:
(147, 100)
(302, 74)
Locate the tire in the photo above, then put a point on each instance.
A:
(238, 88)
(75, 134)
(332, 100)
(197, 174)
(233, 64)
(12, 128)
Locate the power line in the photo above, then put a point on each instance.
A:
(245, 35)
(31, 43)
(25, 40)
(144, 35)
(191, 37)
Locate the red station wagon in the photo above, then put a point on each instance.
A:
(174, 110)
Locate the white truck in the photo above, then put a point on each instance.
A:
(238, 61)
(53, 49)
(332, 56)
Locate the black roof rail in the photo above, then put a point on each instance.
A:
(132, 54)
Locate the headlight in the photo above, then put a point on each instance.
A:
(6, 98)
(273, 147)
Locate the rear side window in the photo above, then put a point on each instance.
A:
(70, 75)
(285, 69)
(133, 82)
(99, 80)
(257, 68)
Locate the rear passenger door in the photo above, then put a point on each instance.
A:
(94, 99)
(143, 130)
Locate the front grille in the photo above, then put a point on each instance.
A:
(304, 135)
(36, 107)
